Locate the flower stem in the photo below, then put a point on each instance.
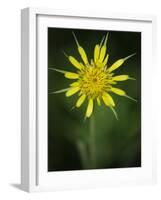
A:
(83, 154)
(92, 142)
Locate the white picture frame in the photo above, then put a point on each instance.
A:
(34, 176)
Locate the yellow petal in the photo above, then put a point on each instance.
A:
(118, 91)
(81, 50)
(102, 53)
(72, 91)
(75, 62)
(119, 62)
(105, 60)
(89, 108)
(98, 101)
(75, 84)
(92, 63)
(71, 75)
(120, 78)
(126, 58)
(116, 65)
(96, 52)
(112, 82)
(99, 64)
(83, 54)
(82, 65)
(108, 100)
(80, 100)
(103, 49)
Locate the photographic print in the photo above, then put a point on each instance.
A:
(94, 99)
(87, 116)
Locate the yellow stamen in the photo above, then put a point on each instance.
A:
(72, 91)
(71, 75)
(80, 100)
(89, 108)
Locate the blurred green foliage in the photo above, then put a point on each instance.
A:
(118, 143)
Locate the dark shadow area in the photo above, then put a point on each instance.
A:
(17, 186)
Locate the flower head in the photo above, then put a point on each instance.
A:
(94, 80)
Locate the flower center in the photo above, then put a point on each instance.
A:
(94, 81)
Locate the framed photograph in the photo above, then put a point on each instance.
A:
(87, 114)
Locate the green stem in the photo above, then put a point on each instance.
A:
(92, 142)
(83, 154)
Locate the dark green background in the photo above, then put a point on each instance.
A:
(118, 143)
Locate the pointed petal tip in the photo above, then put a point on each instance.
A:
(65, 54)
(102, 41)
(58, 70)
(126, 58)
(127, 96)
(85, 118)
(75, 38)
(106, 38)
(131, 78)
(114, 112)
(59, 91)
(73, 107)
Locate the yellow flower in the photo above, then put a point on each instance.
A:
(94, 80)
